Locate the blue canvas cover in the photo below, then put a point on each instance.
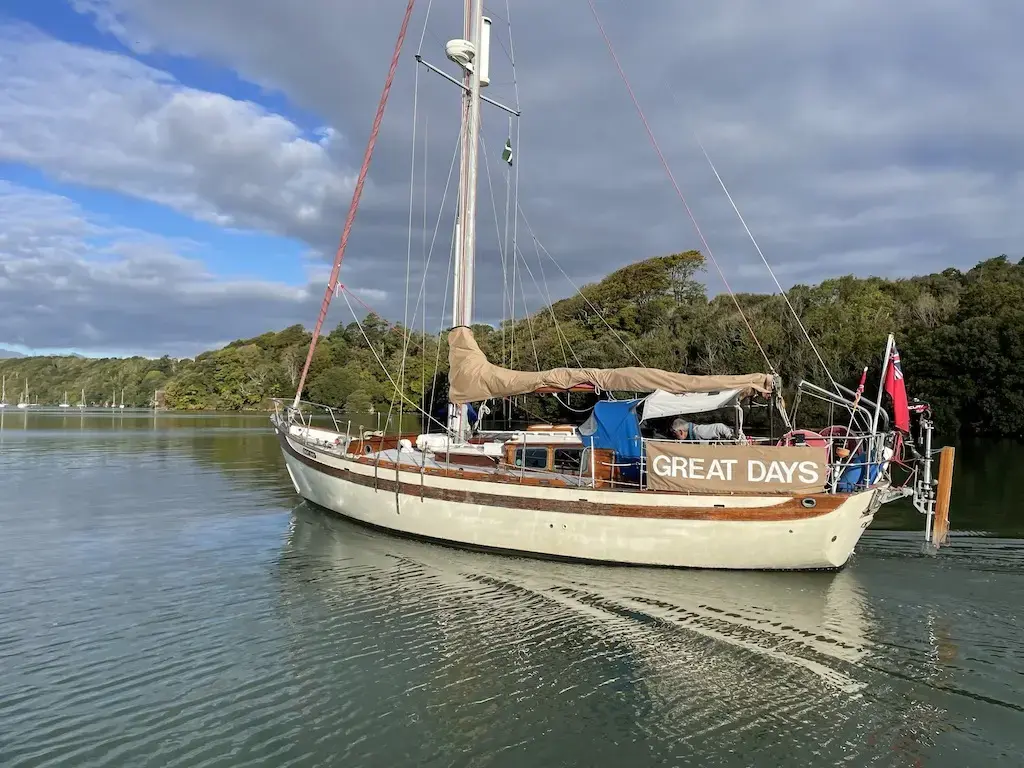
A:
(853, 479)
(613, 424)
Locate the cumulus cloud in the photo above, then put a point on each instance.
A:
(68, 279)
(108, 121)
(812, 114)
(859, 137)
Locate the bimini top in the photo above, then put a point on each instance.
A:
(472, 377)
(660, 404)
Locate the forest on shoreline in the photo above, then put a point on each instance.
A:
(960, 336)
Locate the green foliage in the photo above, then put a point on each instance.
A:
(961, 336)
(358, 402)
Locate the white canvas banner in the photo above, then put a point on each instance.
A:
(693, 468)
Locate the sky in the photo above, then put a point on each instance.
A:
(174, 176)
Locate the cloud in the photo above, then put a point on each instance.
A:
(812, 114)
(108, 121)
(71, 280)
(856, 137)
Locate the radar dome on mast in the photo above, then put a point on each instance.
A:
(463, 53)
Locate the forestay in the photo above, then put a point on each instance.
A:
(690, 468)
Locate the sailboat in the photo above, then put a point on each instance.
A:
(3, 393)
(64, 403)
(81, 403)
(122, 398)
(608, 490)
(24, 402)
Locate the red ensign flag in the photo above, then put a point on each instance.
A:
(897, 391)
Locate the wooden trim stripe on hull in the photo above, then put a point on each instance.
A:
(789, 509)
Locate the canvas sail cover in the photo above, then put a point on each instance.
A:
(472, 377)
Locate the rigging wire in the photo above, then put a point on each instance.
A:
(421, 295)
(408, 254)
(444, 309)
(526, 309)
(357, 194)
(536, 285)
(672, 179)
(423, 32)
(516, 162)
(590, 304)
(424, 259)
(769, 266)
(563, 340)
(345, 294)
(501, 245)
(425, 254)
(437, 225)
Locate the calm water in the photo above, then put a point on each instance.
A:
(166, 601)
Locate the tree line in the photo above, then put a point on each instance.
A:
(960, 336)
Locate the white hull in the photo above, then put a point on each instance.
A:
(530, 523)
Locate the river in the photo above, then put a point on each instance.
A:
(166, 600)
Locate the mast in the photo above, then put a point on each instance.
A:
(471, 54)
(465, 253)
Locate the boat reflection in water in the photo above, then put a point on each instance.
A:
(594, 663)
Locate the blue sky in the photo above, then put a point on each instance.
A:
(176, 175)
(226, 253)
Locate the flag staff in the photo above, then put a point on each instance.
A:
(881, 384)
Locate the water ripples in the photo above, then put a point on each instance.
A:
(165, 605)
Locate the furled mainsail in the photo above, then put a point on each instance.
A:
(472, 377)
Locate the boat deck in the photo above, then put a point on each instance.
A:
(415, 460)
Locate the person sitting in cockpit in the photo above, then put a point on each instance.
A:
(686, 430)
